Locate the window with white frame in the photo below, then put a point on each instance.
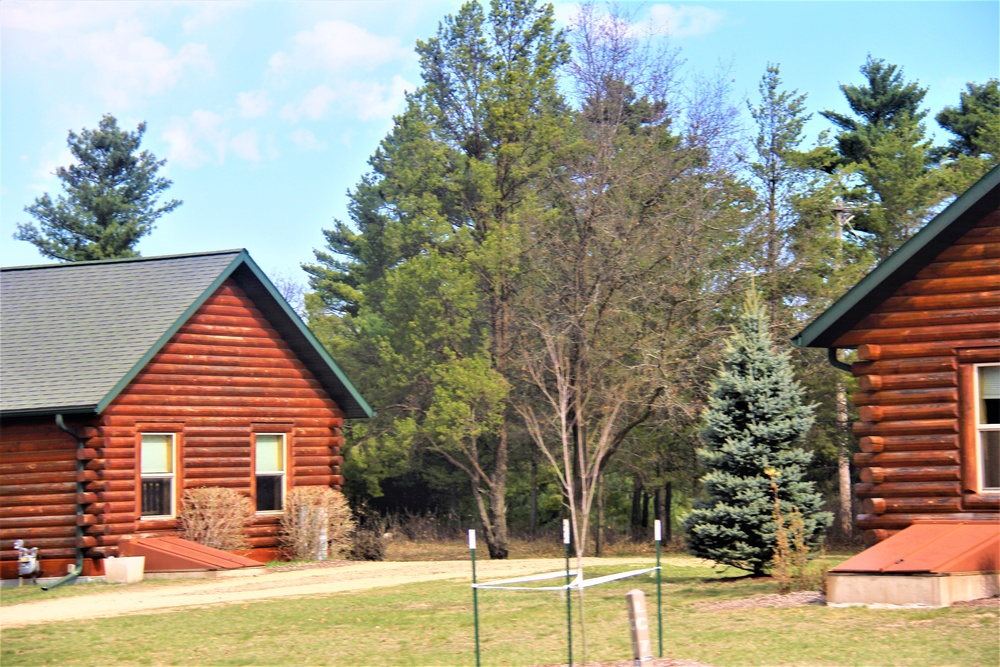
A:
(988, 425)
(157, 461)
(270, 464)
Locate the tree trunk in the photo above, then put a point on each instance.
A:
(600, 517)
(645, 511)
(635, 522)
(667, 516)
(845, 517)
(533, 516)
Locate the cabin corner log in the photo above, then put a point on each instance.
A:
(906, 443)
(874, 475)
(899, 521)
(906, 427)
(907, 459)
(923, 412)
(910, 505)
(908, 489)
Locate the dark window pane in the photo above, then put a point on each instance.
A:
(991, 410)
(269, 496)
(156, 496)
(991, 459)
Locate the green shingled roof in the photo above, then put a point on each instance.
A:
(901, 266)
(72, 336)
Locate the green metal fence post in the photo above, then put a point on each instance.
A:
(475, 591)
(659, 602)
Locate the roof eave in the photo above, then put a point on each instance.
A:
(48, 411)
(903, 264)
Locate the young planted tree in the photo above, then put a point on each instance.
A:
(111, 198)
(754, 422)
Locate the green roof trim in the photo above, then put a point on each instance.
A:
(309, 337)
(901, 266)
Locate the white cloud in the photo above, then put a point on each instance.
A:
(363, 100)
(313, 105)
(306, 140)
(245, 145)
(374, 101)
(253, 104)
(337, 46)
(45, 173)
(193, 141)
(129, 63)
(685, 20)
(106, 41)
(205, 14)
(205, 137)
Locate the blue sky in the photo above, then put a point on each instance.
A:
(268, 111)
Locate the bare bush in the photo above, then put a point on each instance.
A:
(317, 524)
(216, 517)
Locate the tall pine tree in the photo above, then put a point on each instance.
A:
(111, 198)
(886, 143)
(419, 297)
(755, 419)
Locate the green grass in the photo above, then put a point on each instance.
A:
(431, 624)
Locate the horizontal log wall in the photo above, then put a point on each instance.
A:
(913, 350)
(38, 498)
(225, 374)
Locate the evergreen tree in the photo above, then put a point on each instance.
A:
(777, 176)
(883, 103)
(419, 293)
(755, 419)
(976, 126)
(110, 201)
(887, 146)
(975, 122)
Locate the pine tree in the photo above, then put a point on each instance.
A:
(755, 419)
(419, 291)
(886, 145)
(110, 201)
(976, 126)
(777, 176)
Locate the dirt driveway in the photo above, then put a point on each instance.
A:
(149, 597)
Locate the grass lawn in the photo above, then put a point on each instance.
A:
(431, 624)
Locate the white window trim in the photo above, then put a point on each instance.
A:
(980, 427)
(284, 473)
(170, 475)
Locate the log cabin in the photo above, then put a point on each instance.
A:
(126, 382)
(925, 327)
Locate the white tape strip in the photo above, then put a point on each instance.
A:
(610, 577)
(532, 577)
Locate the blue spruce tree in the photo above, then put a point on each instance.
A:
(755, 419)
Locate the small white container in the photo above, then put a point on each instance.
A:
(125, 570)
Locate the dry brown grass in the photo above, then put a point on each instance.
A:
(404, 549)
